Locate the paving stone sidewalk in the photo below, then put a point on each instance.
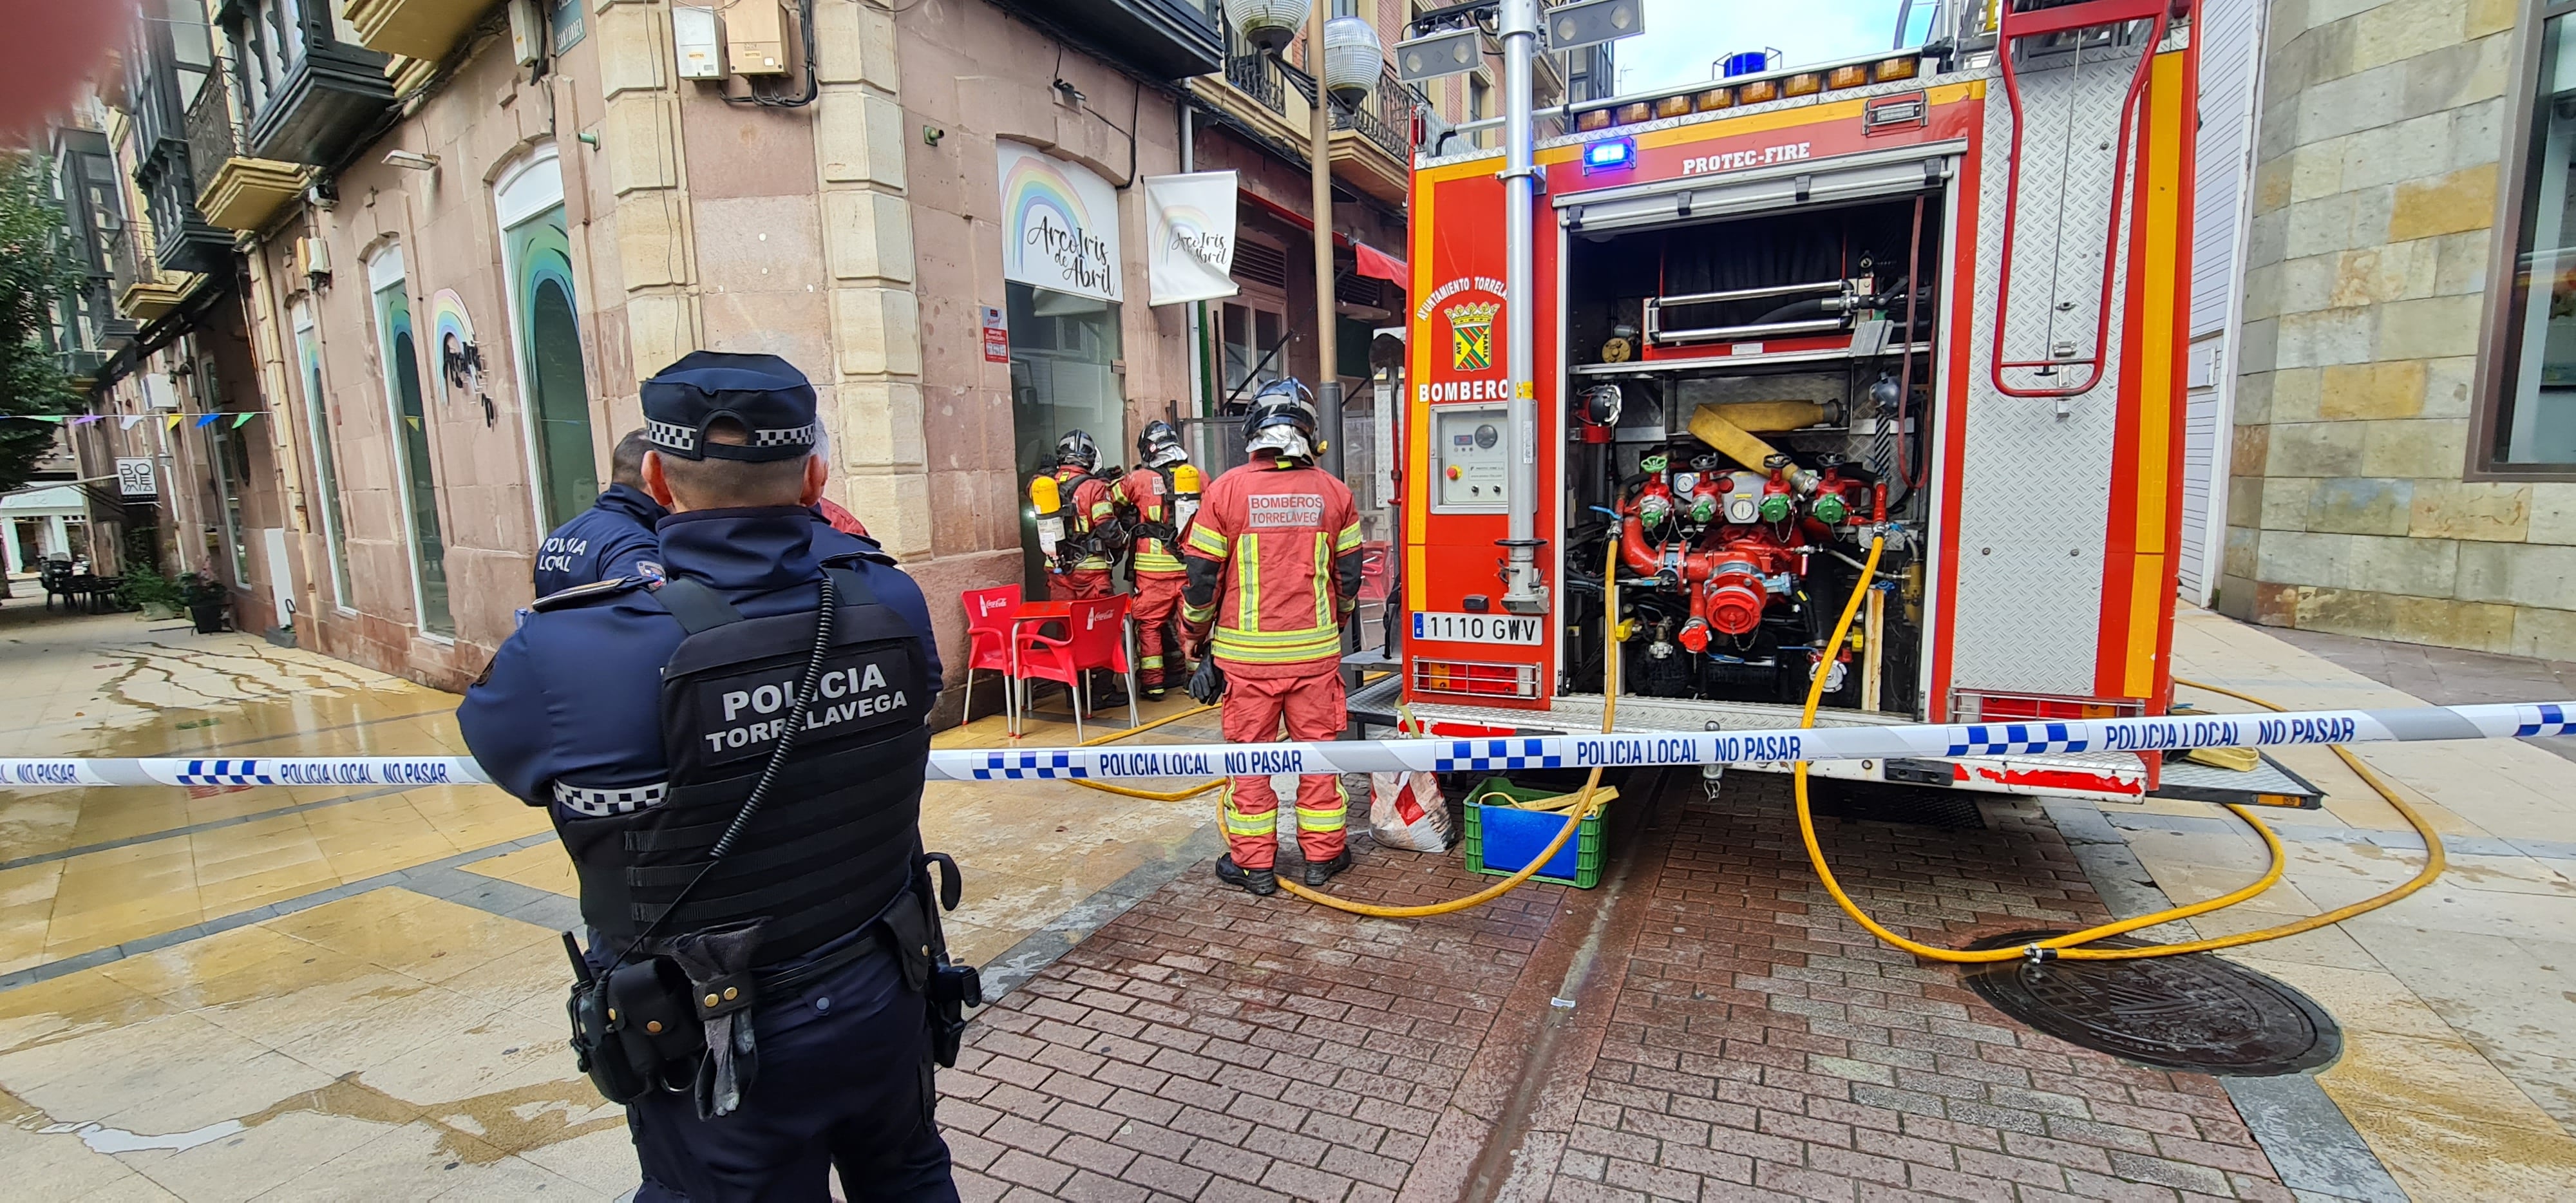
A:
(1705, 1026)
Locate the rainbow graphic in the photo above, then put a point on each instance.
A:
(447, 319)
(1060, 224)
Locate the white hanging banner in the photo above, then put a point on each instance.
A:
(1192, 256)
(1059, 224)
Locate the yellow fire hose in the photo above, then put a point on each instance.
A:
(2066, 946)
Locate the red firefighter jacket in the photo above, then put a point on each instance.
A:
(1274, 560)
(1088, 509)
(1143, 491)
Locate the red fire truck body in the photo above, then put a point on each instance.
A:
(1783, 315)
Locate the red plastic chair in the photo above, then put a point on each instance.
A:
(988, 644)
(1095, 638)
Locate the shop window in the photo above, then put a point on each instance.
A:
(536, 252)
(1062, 349)
(231, 455)
(397, 345)
(317, 425)
(2530, 422)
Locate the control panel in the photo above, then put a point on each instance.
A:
(1469, 465)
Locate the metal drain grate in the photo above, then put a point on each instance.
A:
(1881, 802)
(2192, 1012)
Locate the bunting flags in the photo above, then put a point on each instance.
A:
(127, 421)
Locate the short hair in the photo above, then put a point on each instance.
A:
(715, 484)
(626, 463)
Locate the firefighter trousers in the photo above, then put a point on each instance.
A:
(1312, 709)
(1158, 650)
(1080, 584)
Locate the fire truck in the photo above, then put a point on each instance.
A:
(1937, 298)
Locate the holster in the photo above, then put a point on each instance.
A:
(634, 1029)
(950, 988)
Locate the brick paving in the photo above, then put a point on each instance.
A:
(1731, 1035)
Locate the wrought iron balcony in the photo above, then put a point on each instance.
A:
(310, 102)
(239, 191)
(1385, 118)
(1253, 73)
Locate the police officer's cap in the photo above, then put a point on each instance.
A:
(764, 393)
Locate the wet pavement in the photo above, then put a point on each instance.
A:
(284, 993)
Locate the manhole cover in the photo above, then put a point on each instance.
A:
(2194, 1012)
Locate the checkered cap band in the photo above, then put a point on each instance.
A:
(600, 802)
(675, 437)
(794, 436)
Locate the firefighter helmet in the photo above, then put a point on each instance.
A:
(1077, 448)
(1284, 402)
(1160, 445)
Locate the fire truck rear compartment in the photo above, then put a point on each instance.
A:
(1748, 402)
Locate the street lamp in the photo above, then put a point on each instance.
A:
(1269, 25)
(1353, 57)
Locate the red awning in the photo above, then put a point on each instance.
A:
(1374, 262)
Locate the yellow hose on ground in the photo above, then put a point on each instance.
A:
(1582, 808)
(2065, 946)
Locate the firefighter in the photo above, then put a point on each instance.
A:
(1274, 570)
(1156, 501)
(1077, 521)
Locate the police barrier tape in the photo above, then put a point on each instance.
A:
(1438, 755)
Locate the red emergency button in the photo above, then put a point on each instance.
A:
(1454, 472)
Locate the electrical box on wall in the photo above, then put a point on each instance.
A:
(527, 31)
(312, 257)
(697, 34)
(755, 34)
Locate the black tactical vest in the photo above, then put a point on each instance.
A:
(834, 839)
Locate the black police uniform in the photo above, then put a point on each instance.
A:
(641, 714)
(613, 538)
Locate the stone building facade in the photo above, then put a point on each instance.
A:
(2380, 483)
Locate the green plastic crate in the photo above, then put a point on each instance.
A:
(1516, 835)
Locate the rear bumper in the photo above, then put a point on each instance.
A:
(2100, 776)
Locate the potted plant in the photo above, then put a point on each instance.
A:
(147, 590)
(209, 602)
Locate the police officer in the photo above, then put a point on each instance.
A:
(614, 537)
(1274, 570)
(739, 786)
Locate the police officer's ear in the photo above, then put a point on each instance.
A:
(657, 484)
(816, 472)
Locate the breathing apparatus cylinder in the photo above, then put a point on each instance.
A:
(1185, 494)
(1047, 500)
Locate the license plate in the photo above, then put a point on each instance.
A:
(1477, 628)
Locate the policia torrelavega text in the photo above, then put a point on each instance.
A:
(734, 757)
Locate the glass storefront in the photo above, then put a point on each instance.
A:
(2535, 416)
(326, 472)
(398, 344)
(1062, 347)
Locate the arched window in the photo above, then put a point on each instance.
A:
(398, 345)
(545, 338)
(326, 472)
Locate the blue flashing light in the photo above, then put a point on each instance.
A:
(1610, 154)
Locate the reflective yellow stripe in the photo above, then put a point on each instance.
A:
(1207, 543)
(1326, 820)
(1196, 614)
(1348, 540)
(1278, 647)
(1247, 582)
(1150, 557)
(1323, 583)
(1265, 823)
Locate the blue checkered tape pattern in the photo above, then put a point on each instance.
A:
(1021, 766)
(2005, 739)
(1492, 755)
(2554, 720)
(224, 772)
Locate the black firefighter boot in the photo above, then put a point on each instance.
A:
(1319, 874)
(1259, 882)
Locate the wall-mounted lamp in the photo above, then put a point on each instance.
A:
(411, 160)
